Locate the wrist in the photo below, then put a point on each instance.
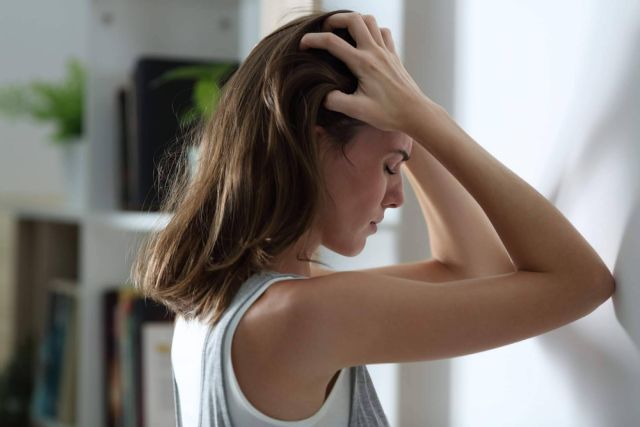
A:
(421, 112)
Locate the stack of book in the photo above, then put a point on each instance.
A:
(137, 350)
(54, 399)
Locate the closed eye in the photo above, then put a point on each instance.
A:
(405, 157)
(389, 171)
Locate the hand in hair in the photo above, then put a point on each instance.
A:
(385, 89)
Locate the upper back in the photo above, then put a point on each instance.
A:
(197, 355)
(198, 350)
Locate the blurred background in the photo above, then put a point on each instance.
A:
(91, 92)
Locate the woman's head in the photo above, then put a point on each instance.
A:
(362, 183)
(259, 185)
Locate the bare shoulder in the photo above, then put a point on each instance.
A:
(319, 271)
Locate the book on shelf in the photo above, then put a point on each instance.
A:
(137, 342)
(54, 395)
(149, 122)
(157, 379)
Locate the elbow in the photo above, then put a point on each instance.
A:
(593, 285)
(604, 283)
(611, 284)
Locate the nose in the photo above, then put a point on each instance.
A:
(394, 198)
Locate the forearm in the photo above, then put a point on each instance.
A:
(460, 234)
(537, 236)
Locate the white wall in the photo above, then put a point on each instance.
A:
(552, 90)
(36, 38)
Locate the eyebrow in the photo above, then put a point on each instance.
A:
(405, 156)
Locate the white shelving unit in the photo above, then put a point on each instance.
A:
(98, 241)
(119, 31)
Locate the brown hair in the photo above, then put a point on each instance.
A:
(258, 184)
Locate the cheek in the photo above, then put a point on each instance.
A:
(357, 193)
(345, 220)
(357, 203)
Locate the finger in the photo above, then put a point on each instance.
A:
(354, 23)
(342, 103)
(374, 30)
(388, 40)
(335, 45)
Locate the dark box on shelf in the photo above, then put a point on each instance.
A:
(150, 126)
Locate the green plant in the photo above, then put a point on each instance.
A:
(206, 91)
(60, 103)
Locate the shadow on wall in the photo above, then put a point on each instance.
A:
(598, 190)
(626, 272)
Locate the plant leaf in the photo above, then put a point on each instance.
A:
(189, 117)
(60, 103)
(206, 95)
(211, 73)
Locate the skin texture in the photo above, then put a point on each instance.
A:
(361, 187)
(363, 191)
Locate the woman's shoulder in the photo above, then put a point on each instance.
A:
(265, 330)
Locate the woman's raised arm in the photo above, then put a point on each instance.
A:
(460, 235)
(355, 317)
(538, 237)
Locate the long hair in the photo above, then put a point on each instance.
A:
(258, 186)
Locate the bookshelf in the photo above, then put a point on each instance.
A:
(88, 249)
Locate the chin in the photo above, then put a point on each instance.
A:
(348, 248)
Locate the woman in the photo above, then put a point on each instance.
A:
(305, 150)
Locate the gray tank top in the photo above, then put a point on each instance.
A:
(208, 405)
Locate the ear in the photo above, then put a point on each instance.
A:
(323, 140)
(322, 136)
(320, 132)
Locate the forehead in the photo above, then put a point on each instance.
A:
(382, 141)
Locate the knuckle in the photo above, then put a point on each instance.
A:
(367, 61)
(371, 66)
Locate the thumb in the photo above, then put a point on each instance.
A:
(341, 102)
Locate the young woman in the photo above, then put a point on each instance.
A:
(306, 149)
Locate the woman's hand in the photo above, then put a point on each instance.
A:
(386, 92)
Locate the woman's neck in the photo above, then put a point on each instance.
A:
(288, 263)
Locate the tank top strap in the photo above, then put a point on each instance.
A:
(214, 410)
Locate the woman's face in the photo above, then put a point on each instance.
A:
(363, 189)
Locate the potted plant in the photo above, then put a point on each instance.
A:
(59, 103)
